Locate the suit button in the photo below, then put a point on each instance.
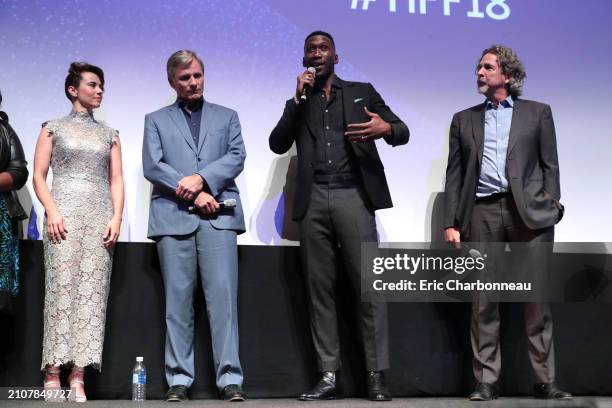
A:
(310, 164)
(199, 159)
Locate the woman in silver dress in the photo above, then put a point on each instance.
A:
(83, 218)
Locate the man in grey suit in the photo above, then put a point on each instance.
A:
(192, 152)
(502, 185)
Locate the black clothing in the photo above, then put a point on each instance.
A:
(12, 161)
(295, 126)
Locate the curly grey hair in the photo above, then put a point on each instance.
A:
(180, 59)
(511, 65)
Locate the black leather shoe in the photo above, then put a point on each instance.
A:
(484, 392)
(377, 386)
(550, 391)
(176, 393)
(233, 393)
(325, 389)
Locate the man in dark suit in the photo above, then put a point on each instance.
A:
(340, 183)
(502, 185)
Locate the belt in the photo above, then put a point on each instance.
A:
(343, 180)
(493, 197)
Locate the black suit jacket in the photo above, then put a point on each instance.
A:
(293, 126)
(532, 166)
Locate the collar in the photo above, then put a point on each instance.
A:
(81, 117)
(198, 107)
(506, 103)
(336, 82)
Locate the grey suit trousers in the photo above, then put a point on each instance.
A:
(336, 223)
(497, 219)
(210, 255)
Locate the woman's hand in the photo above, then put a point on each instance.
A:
(111, 232)
(56, 226)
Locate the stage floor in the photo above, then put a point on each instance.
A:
(590, 402)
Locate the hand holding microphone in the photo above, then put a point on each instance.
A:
(305, 81)
(204, 206)
(207, 204)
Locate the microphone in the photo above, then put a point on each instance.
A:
(229, 203)
(312, 71)
(470, 251)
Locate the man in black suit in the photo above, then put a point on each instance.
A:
(502, 185)
(340, 183)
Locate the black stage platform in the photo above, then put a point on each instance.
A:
(591, 402)
(429, 341)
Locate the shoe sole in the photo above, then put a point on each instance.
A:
(555, 399)
(482, 399)
(380, 399)
(236, 399)
(320, 399)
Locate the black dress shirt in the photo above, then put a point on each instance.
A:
(332, 152)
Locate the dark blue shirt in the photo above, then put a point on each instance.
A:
(193, 120)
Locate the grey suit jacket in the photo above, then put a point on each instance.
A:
(169, 154)
(532, 165)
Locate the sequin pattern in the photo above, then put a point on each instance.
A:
(9, 253)
(77, 271)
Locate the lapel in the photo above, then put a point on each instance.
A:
(351, 92)
(207, 116)
(515, 125)
(478, 130)
(178, 118)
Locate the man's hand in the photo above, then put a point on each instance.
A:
(189, 186)
(206, 204)
(374, 129)
(453, 236)
(305, 79)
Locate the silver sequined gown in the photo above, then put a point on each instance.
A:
(77, 271)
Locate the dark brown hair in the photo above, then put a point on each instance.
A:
(74, 75)
(511, 65)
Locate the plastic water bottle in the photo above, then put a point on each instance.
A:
(139, 381)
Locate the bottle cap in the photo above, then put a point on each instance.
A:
(139, 359)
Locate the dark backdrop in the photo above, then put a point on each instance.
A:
(429, 341)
